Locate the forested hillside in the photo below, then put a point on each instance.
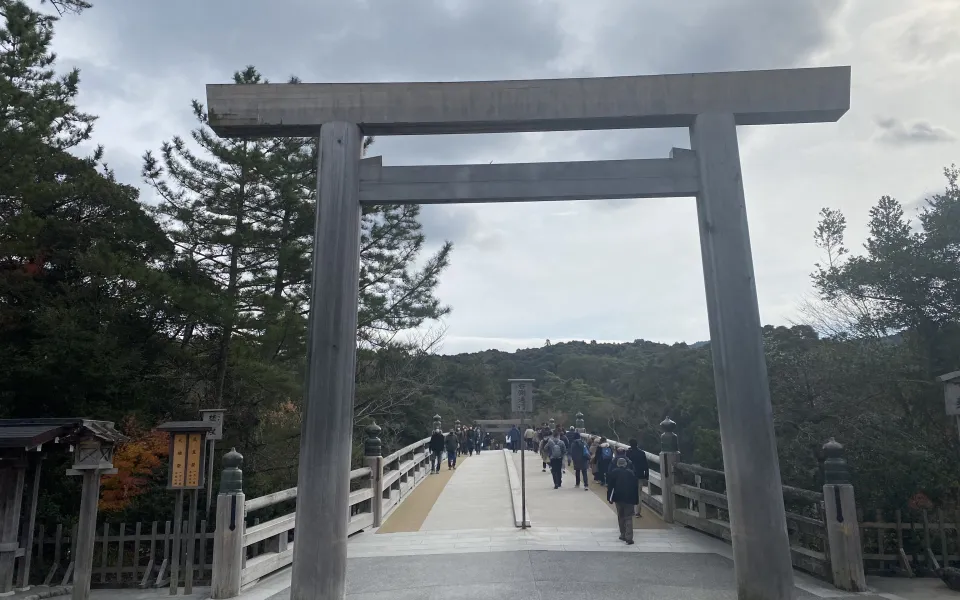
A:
(142, 309)
(860, 368)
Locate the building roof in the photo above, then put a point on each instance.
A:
(182, 426)
(32, 433)
(949, 377)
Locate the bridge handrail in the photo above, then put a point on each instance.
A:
(788, 490)
(259, 549)
(651, 457)
(405, 450)
(290, 493)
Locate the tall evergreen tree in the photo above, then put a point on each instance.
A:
(84, 306)
(241, 213)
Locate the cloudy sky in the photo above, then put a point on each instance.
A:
(604, 270)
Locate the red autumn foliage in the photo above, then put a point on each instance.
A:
(135, 461)
(920, 501)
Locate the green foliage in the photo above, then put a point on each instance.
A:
(83, 299)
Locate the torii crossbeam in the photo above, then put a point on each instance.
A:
(711, 105)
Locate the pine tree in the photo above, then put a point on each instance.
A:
(84, 302)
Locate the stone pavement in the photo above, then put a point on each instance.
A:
(537, 574)
(568, 506)
(477, 496)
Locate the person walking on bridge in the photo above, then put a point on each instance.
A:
(570, 436)
(623, 490)
(453, 444)
(556, 449)
(640, 466)
(604, 460)
(580, 455)
(530, 437)
(469, 438)
(514, 438)
(436, 450)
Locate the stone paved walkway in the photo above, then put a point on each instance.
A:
(568, 506)
(476, 497)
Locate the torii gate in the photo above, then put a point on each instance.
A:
(711, 105)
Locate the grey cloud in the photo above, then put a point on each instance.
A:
(895, 131)
(335, 40)
(457, 224)
(705, 35)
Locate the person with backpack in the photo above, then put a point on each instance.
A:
(604, 458)
(556, 449)
(640, 466)
(580, 455)
(436, 450)
(544, 457)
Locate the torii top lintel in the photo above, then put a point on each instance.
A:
(649, 101)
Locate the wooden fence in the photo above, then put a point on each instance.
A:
(911, 542)
(125, 554)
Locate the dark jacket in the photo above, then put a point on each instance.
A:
(436, 443)
(623, 486)
(514, 435)
(576, 453)
(451, 442)
(639, 459)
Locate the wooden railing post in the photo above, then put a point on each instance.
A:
(228, 537)
(843, 530)
(669, 457)
(372, 452)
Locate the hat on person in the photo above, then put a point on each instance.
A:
(621, 462)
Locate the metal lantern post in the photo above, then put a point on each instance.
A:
(92, 457)
(185, 472)
(521, 400)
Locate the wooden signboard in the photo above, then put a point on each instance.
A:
(186, 461)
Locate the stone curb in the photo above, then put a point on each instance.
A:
(515, 498)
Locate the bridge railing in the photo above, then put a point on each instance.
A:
(822, 541)
(244, 554)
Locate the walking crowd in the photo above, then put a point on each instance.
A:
(462, 441)
(621, 470)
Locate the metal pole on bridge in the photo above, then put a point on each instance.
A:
(523, 482)
(521, 397)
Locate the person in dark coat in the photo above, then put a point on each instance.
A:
(453, 444)
(639, 459)
(514, 438)
(469, 441)
(436, 450)
(570, 436)
(580, 455)
(623, 490)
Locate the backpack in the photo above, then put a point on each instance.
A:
(606, 453)
(556, 449)
(585, 450)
